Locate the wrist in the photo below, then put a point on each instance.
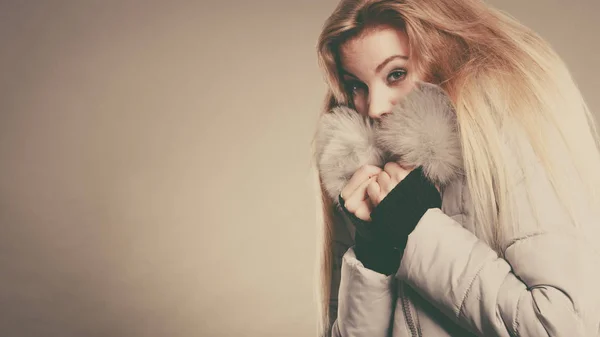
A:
(369, 246)
(377, 257)
(398, 213)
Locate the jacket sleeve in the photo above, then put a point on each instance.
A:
(546, 284)
(365, 302)
(362, 300)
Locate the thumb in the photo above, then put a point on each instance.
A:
(373, 192)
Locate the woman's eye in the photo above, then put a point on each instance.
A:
(354, 87)
(397, 75)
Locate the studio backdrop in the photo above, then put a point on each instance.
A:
(155, 161)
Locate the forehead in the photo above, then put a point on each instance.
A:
(363, 53)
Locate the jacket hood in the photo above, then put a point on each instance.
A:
(421, 131)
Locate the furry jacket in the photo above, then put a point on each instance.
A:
(451, 283)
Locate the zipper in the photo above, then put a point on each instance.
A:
(415, 329)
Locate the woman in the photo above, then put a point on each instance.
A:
(522, 260)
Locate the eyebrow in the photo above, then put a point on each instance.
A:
(381, 65)
(387, 60)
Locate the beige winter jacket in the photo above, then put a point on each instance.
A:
(450, 283)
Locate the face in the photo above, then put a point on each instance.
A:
(375, 70)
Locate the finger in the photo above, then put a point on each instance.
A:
(373, 192)
(385, 182)
(354, 200)
(364, 211)
(396, 172)
(359, 177)
(370, 204)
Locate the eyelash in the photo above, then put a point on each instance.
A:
(403, 73)
(350, 85)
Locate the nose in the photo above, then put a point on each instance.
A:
(380, 104)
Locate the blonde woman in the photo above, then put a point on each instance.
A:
(517, 254)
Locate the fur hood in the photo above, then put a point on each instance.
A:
(420, 131)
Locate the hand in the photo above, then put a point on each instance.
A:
(392, 174)
(385, 181)
(384, 214)
(354, 192)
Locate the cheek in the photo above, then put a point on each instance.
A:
(404, 89)
(360, 103)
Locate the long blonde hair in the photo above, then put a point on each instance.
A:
(497, 72)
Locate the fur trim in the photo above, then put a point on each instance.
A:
(420, 131)
(345, 142)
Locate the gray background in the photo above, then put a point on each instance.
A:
(154, 161)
